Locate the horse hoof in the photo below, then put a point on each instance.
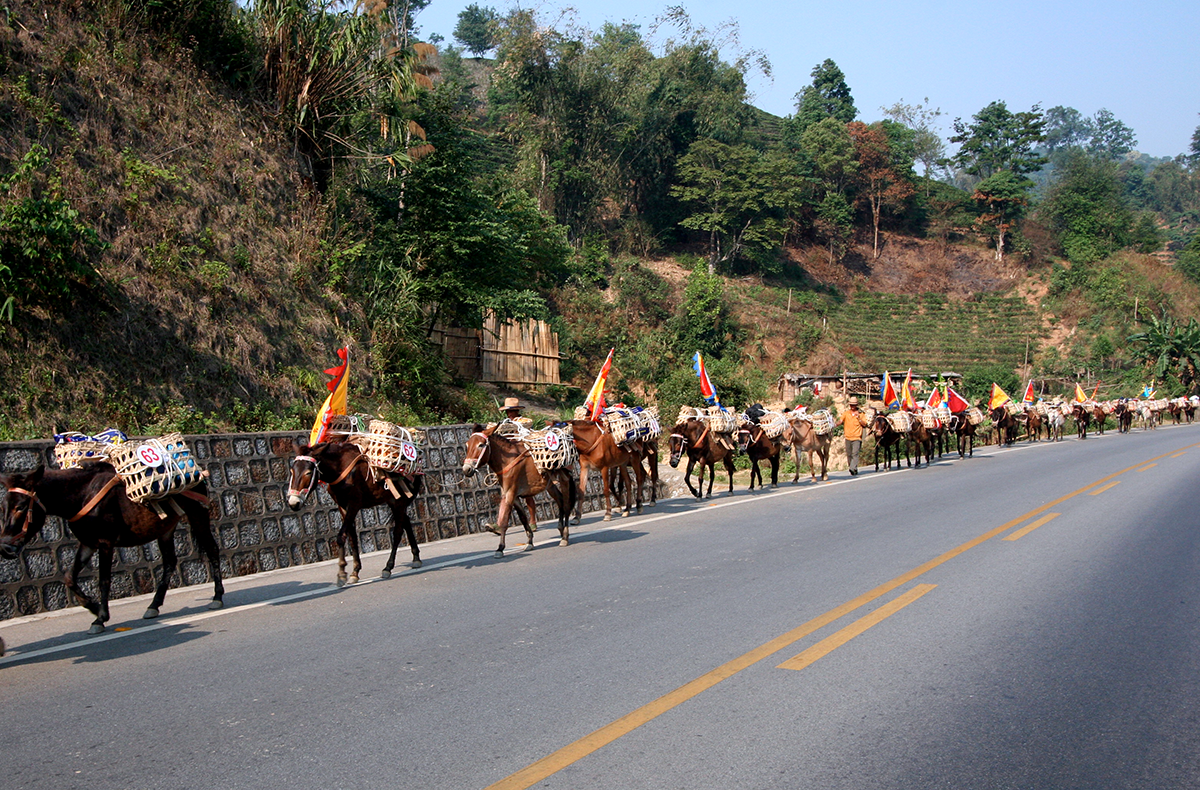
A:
(608, 516)
(97, 628)
(415, 564)
(354, 579)
(499, 554)
(563, 542)
(385, 574)
(493, 528)
(215, 604)
(528, 547)
(639, 510)
(341, 581)
(150, 614)
(577, 519)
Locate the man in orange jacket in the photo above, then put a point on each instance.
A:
(853, 421)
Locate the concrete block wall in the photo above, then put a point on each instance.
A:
(255, 529)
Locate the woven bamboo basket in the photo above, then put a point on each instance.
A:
(1160, 405)
(1108, 407)
(930, 420)
(975, 415)
(1066, 408)
(648, 425)
(1041, 409)
(553, 448)
(942, 410)
(822, 422)
(392, 448)
(511, 428)
(1014, 409)
(773, 424)
(901, 421)
(70, 455)
(622, 424)
(720, 421)
(155, 468)
(688, 413)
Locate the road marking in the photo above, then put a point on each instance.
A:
(1176, 455)
(1147, 466)
(1023, 531)
(588, 744)
(833, 642)
(1113, 484)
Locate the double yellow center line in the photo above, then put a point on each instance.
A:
(573, 752)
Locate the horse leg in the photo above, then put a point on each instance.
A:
(754, 470)
(729, 470)
(823, 454)
(530, 523)
(687, 478)
(652, 463)
(584, 466)
(166, 548)
(83, 555)
(712, 475)
(605, 478)
(774, 459)
(199, 525)
(625, 501)
(106, 555)
(352, 539)
(507, 499)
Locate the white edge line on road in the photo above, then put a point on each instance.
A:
(325, 590)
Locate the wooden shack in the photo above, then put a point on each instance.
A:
(512, 353)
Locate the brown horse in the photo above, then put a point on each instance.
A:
(1124, 416)
(93, 502)
(964, 431)
(1006, 425)
(1082, 418)
(889, 440)
(343, 467)
(694, 438)
(519, 478)
(1033, 425)
(599, 450)
(800, 436)
(1099, 415)
(920, 438)
(753, 441)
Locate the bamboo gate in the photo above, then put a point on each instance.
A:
(518, 353)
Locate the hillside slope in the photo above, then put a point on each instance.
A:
(202, 293)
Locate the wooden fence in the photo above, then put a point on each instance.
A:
(503, 352)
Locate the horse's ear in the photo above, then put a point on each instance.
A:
(476, 428)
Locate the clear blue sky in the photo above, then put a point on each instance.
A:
(1139, 60)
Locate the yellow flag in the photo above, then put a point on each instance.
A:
(336, 403)
(1080, 395)
(998, 397)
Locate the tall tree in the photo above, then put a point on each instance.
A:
(1111, 139)
(476, 29)
(827, 97)
(1002, 198)
(999, 140)
(1194, 150)
(928, 147)
(882, 184)
(1087, 209)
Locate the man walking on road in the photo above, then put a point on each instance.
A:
(853, 421)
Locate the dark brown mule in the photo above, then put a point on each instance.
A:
(343, 467)
(920, 439)
(1124, 416)
(93, 502)
(1033, 425)
(964, 431)
(519, 479)
(1189, 411)
(599, 450)
(693, 438)
(753, 441)
(1006, 425)
(800, 436)
(1100, 417)
(1082, 418)
(889, 440)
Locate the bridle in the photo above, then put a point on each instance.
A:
(28, 521)
(470, 465)
(316, 474)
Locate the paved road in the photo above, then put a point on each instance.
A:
(1027, 618)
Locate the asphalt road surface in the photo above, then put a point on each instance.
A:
(1027, 618)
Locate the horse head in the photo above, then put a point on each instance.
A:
(880, 426)
(743, 442)
(479, 446)
(21, 513)
(682, 435)
(306, 472)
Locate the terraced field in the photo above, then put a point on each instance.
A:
(930, 333)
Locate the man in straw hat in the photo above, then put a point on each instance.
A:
(512, 411)
(853, 421)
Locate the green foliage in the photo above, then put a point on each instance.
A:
(44, 244)
(1169, 347)
(827, 97)
(1188, 260)
(1087, 209)
(476, 29)
(977, 381)
(999, 140)
(704, 321)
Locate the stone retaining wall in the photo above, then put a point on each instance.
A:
(251, 520)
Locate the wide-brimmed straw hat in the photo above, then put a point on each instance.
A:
(853, 400)
(512, 403)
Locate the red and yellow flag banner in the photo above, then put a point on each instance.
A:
(1080, 395)
(998, 398)
(336, 402)
(1029, 397)
(907, 401)
(595, 399)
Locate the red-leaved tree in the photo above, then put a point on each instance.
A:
(882, 183)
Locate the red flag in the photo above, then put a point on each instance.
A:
(1029, 397)
(907, 402)
(889, 391)
(595, 398)
(1095, 390)
(935, 398)
(955, 401)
